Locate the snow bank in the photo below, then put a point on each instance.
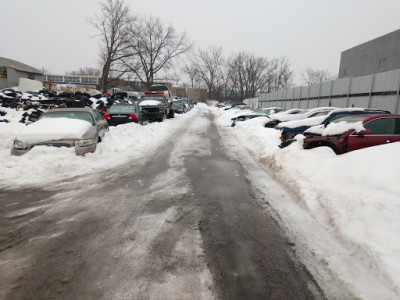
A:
(355, 195)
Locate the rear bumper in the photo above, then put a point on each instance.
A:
(154, 115)
(119, 122)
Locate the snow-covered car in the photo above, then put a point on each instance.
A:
(283, 116)
(128, 97)
(156, 106)
(295, 114)
(78, 128)
(303, 114)
(255, 113)
(161, 88)
(290, 129)
(356, 132)
(235, 105)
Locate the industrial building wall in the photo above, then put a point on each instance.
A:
(14, 75)
(379, 55)
(379, 91)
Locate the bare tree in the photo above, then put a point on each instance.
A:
(249, 74)
(173, 77)
(112, 24)
(152, 47)
(191, 71)
(281, 75)
(311, 76)
(208, 64)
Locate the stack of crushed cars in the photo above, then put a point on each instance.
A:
(35, 103)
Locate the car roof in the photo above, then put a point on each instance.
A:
(375, 116)
(83, 109)
(124, 104)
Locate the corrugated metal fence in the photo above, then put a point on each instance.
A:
(380, 91)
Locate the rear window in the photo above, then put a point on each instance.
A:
(122, 109)
(158, 88)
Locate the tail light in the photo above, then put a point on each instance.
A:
(154, 92)
(107, 117)
(132, 117)
(169, 94)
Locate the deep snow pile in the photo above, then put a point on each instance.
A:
(355, 195)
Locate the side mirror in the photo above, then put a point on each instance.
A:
(364, 132)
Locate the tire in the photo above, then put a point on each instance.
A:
(171, 114)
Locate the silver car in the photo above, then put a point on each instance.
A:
(80, 128)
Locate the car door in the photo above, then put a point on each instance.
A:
(385, 130)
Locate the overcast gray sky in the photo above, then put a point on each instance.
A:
(55, 34)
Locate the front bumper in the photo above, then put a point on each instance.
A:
(79, 150)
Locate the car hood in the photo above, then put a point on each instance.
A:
(54, 129)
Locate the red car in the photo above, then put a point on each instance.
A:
(356, 132)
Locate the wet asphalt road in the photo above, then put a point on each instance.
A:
(97, 237)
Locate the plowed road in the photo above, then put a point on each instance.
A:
(182, 225)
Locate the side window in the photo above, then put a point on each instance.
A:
(98, 116)
(337, 117)
(382, 126)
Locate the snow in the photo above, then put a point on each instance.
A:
(42, 165)
(53, 129)
(353, 198)
(302, 122)
(149, 103)
(335, 128)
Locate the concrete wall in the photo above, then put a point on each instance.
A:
(364, 59)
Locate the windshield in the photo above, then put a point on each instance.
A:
(318, 114)
(78, 115)
(122, 109)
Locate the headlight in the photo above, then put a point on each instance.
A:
(20, 145)
(83, 143)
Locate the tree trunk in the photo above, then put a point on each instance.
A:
(104, 77)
